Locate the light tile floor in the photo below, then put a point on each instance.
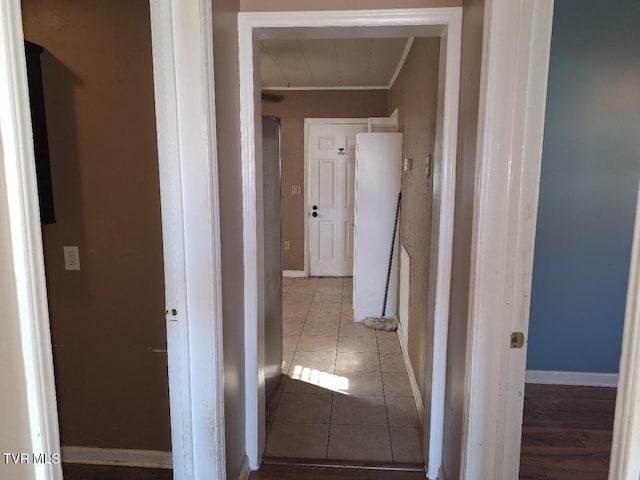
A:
(346, 393)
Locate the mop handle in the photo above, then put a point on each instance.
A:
(393, 243)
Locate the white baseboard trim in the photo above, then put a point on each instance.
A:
(412, 376)
(585, 379)
(244, 470)
(402, 333)
(117, 456)
(293, 273)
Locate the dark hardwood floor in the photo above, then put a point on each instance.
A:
(566, 432)
(566, 435)
(103, 472)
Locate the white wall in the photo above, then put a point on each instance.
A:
(14, 417)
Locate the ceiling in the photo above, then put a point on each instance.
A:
(331, 63)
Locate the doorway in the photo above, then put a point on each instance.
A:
(443, 23)
(102, 321)
(581, 272)
(333, 368)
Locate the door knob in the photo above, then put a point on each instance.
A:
(314, 214)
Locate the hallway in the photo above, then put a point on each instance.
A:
(345, 394)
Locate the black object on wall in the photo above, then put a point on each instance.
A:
(40, 138)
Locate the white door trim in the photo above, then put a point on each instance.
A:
(625, 461)
(18, 172)
(517, 35)
(249, 25)
(185, 117)
(307, 201)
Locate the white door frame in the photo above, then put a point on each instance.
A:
(185, 118)
(625, 448)
(17, 164)
(516, 43)
(445, 22)
(307, 200)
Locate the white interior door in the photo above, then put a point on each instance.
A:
(331, 185)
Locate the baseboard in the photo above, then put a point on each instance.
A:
(244, 470)
(293, 273)
(402, 334)
(412, 376)
(585, 379)
(117, 456)
(402, 337)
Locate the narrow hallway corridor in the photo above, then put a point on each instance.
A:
(345, 394)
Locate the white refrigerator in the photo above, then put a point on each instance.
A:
(378, 172)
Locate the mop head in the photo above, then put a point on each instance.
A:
(386, 324)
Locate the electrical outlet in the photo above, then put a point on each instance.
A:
(296, 190)
(287, 245)
(71, 258)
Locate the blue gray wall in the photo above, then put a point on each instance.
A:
(590, 168)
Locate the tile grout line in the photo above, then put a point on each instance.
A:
(335, 366)
(281, 394)
(384, 396)
(304, 323)
(306, 316)
(295, 351)
(275, 412)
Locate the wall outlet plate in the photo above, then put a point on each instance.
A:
(71, 258)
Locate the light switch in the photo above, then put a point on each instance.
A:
(71, 258)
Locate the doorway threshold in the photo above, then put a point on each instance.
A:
(344, 464)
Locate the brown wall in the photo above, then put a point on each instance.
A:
(227, 96)
(272, 5)
(292, 110)
(105, 318)
(472, 31)
(415, 95)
